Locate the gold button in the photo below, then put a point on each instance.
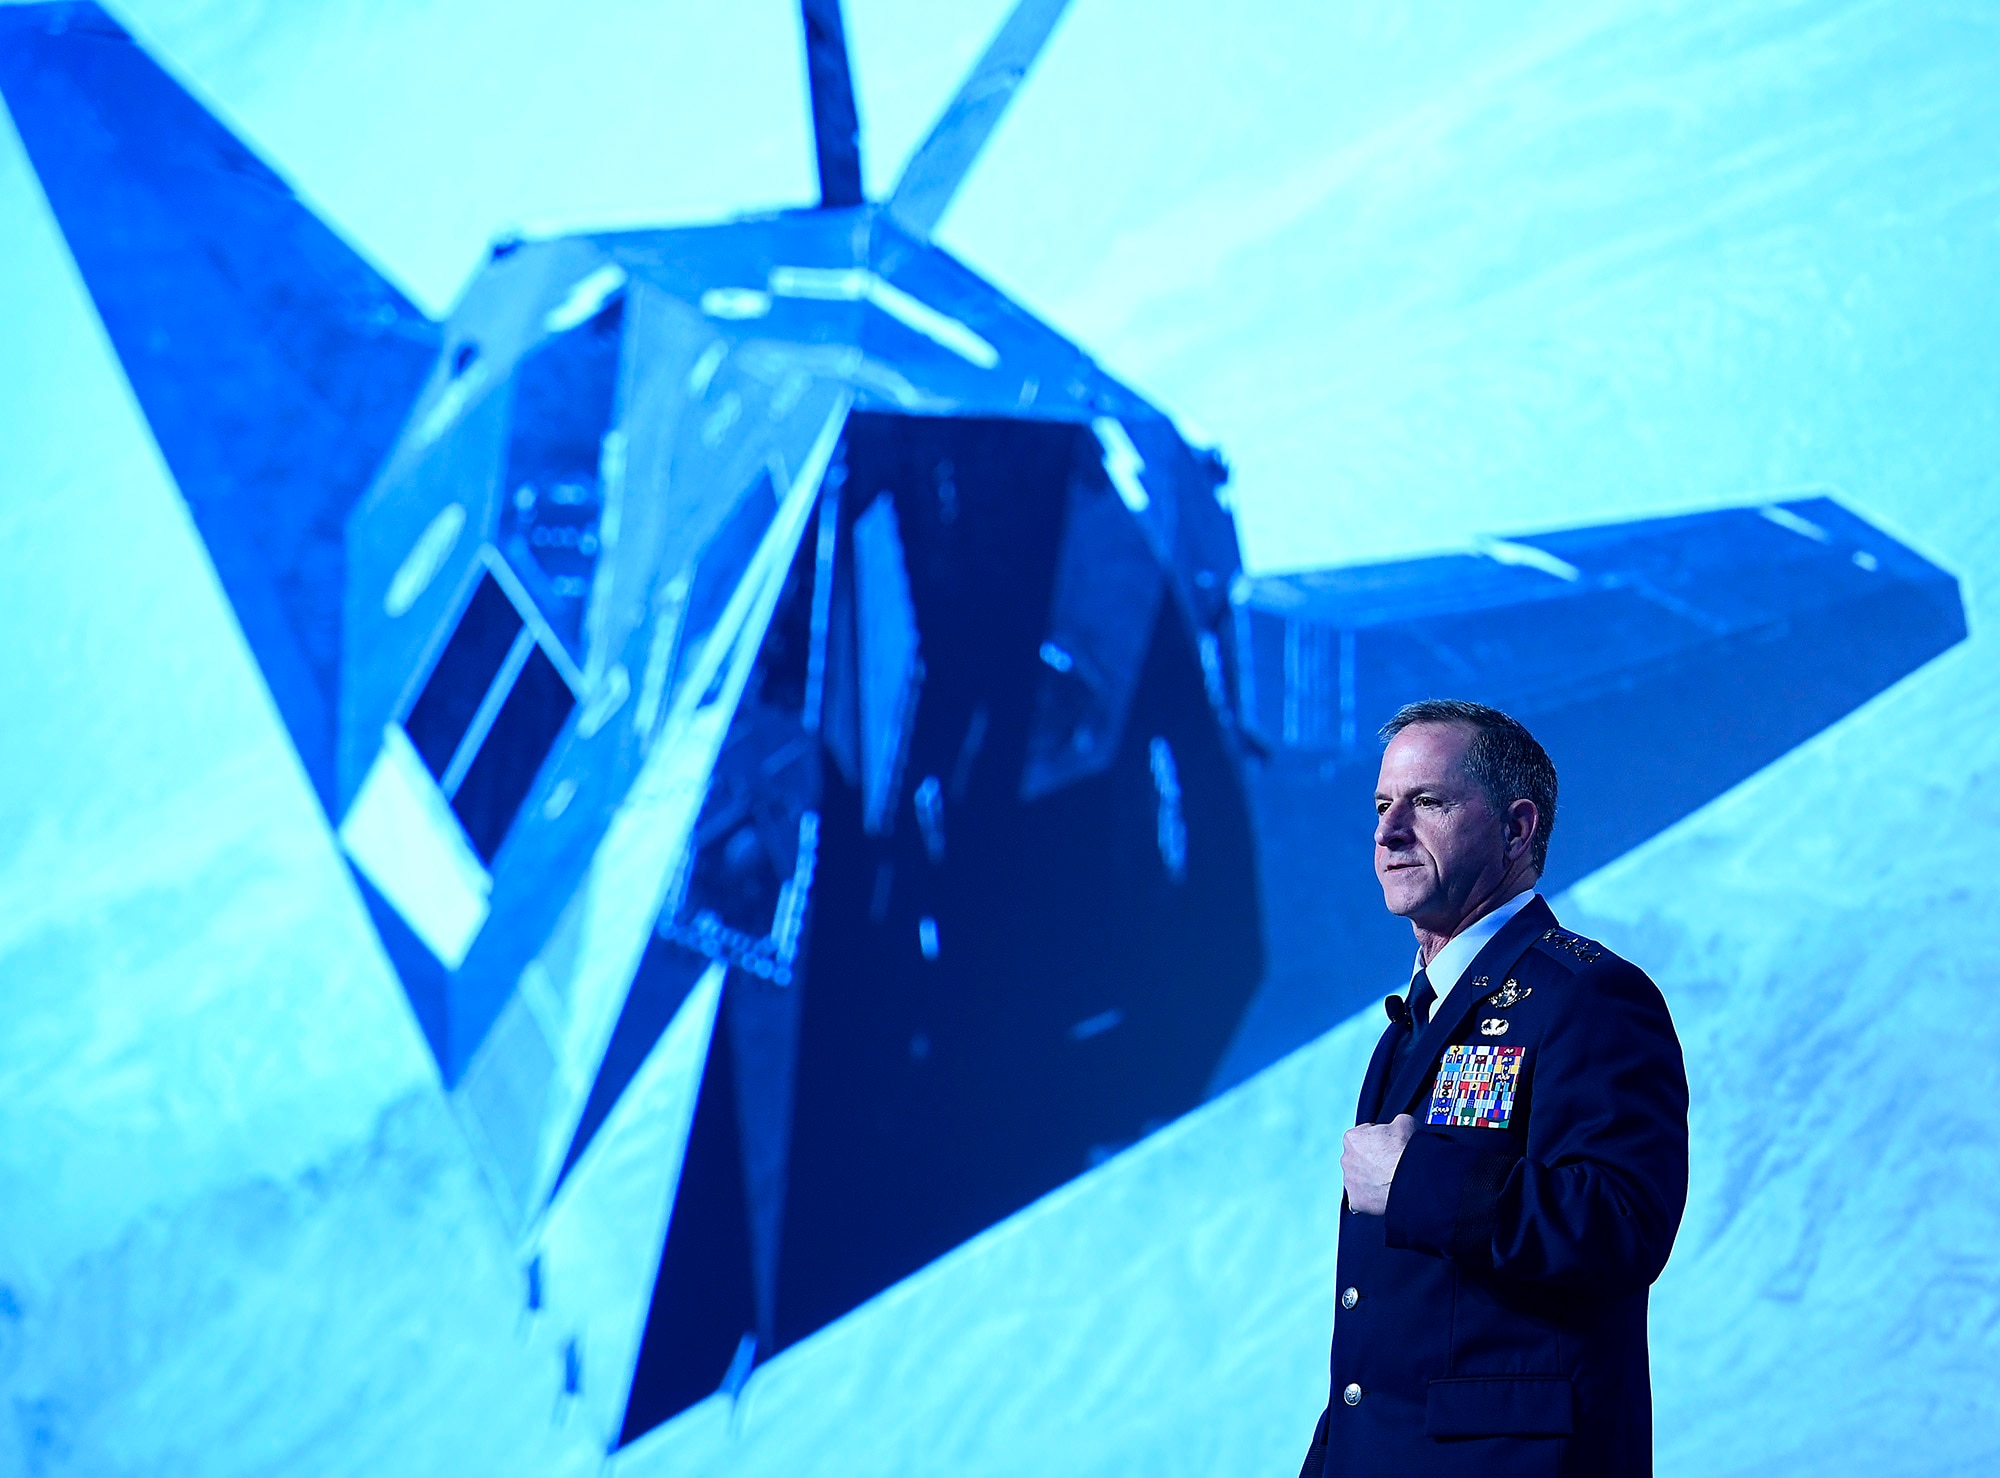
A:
(1349, 1297)
(1352, 1395)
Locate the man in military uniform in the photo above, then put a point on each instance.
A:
(1519, 1160)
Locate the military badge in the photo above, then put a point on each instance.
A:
(1510, 994)
(1493, 1026)
(1475, 1087)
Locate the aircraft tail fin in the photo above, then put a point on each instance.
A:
(931, 178)
(836, 125)
(273, 364)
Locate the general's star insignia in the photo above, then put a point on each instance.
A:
(1510, 994)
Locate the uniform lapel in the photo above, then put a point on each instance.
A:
(1378, 1071)
(1497, 958)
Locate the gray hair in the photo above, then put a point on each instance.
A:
(1504, 758)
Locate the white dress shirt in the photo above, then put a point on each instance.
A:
(1459, 950)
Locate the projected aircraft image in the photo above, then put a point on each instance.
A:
(803, 732)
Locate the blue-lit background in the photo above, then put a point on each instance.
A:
(1423, 277)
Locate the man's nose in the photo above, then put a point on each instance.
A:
(1392, 825)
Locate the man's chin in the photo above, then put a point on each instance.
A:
(1404, 902)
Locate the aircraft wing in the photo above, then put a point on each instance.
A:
(273, 364)
(1659, 662)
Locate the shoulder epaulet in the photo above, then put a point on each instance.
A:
(1572, 949)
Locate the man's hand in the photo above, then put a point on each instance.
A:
(1368, 1158)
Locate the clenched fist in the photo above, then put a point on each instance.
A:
(1368, 1158)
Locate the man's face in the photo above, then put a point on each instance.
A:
(1439, 842)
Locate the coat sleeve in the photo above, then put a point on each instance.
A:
(1594, 1202)
(1314, 1465)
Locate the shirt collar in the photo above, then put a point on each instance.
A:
(1450, 962)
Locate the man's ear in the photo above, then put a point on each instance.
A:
(1523, 821)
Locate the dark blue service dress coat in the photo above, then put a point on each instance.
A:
(1494, 1321)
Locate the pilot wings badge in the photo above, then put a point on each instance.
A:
(1510, 994)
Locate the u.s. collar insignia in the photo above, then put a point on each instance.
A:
(1493, 1026)
(1510, 994)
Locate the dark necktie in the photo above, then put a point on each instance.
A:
(1422, 998)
